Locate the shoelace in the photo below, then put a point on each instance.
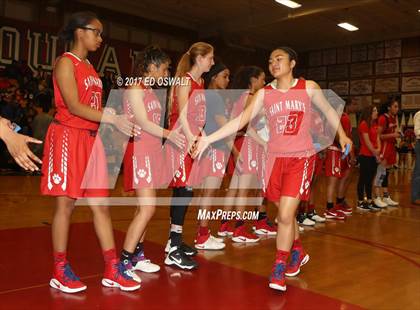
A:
(139, 257)
(183, 256)
(295, 258)
(279, 270)
(69, 274)
(186, 248)
(124, 272)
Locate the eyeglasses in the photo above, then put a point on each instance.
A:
(97, 32)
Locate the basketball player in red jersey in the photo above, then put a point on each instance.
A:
(387, 131)
(245, 164)
(290, 162)
(144, 160)
(187, 109)
(337, 171)
(69, 143)
(208, 173)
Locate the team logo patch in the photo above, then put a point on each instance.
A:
(56, 178)
(141, 173)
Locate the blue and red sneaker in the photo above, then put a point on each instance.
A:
(277, 277)
(65, 280)
(118, 275)
(298, 258)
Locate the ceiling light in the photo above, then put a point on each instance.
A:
(348, 26)
(290, 4)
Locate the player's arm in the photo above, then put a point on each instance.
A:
(17, 145)
(239, 122)
(318, 98)
(135, 98)
(182, 95)
(64, 75)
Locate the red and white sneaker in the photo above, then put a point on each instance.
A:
(225, 230)
(241, 235)
(335, 213)
(264, 227)
(65, 280)
(298, 258)
(345, 208)
(117, 275)
(277, 277)
(208, 242)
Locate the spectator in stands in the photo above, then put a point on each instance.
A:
(41, 123)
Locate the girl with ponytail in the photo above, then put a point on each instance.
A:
(187, 109)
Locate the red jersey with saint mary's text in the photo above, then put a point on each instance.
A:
(153, 108)
(89, 88)
(144, 161)
(74, 160)
(180, 161)
(289, 119)
(196, 113)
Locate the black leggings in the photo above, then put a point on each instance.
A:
(368, 167)
(178, 210)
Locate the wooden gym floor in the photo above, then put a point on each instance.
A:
(368, 261)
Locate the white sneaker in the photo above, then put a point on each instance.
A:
(210, 244)
(146, 266)
(390, 202)
(308, 222)
(318, 219)
(378, 202)
(168, 246)
(216, 239)
(133, 275)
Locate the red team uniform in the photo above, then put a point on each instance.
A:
(144, 160)
(179, 160)
(335, 166)
(252, 153)
(290, 160)
(388, 151)
(74, 161)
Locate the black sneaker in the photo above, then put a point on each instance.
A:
(189, 251)
(373, 207)
(363, 206)
(178, 258)
(300, 217)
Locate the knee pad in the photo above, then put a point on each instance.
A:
(380, 176)
(385, 180)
